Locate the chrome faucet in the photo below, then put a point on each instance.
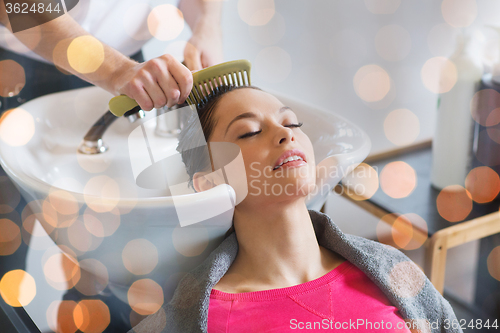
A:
(92, 141)
(169, 120)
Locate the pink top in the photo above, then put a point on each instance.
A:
(344, 299)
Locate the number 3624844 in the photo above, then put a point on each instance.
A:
(34, 8)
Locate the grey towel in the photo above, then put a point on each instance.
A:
(401, 280)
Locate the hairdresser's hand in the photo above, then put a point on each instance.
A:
(204, 49)
(155, 83)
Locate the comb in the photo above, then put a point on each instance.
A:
(205, 82)
(211, 79)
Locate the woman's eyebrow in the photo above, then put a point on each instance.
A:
(240, 116)
(251, 115)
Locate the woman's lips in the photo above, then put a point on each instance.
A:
(292, 164)
(291, 158)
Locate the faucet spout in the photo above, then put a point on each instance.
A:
(97, 130)
(92, 141)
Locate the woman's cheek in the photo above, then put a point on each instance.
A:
(253, 170)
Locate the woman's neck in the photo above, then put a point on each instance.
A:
(277, 248)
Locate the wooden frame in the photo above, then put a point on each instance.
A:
(444, 239)
(456, 235)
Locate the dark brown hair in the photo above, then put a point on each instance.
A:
(198, 159)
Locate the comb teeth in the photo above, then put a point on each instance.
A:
(210, 80)
(202, 90)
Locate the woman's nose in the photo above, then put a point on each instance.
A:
(284, 135)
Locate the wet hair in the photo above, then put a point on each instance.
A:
(198, 159)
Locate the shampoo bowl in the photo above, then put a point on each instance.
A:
(92, 208)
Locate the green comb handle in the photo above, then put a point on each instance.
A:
(120, 105)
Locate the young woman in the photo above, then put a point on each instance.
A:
(285, 268)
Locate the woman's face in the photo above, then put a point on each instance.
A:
(278, 156)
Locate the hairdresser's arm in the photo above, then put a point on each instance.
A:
(157, 82)
(205, 46)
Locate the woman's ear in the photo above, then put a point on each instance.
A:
(203, 180)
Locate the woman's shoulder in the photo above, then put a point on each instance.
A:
(348, 245)
(372, 245)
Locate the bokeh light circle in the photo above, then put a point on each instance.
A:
(12, 78)
(140, 256)
(483, 184)
(454, 203)
(50, 211)
(404, 231)
(60, 316)
(91, 316)
(406, 279)
(101, 193)
(483, 107)
(398, 179)
(85, 54)
(493, 118)
(493, 263)
(10, 237)
(17, 127)
(401, 127)
(165, 22)
(145, 296)
(17, 288)
(494, 134)
(61, 271)
(439, 75)
(63, 202)
(362, 183)
(101, 224)
(459, 13)
(371, 83)
(256, 12)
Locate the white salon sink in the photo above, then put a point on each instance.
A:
(95, 208)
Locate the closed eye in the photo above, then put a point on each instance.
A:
(295, 125)
(250, 134)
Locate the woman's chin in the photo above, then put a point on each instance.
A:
(284, 189)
